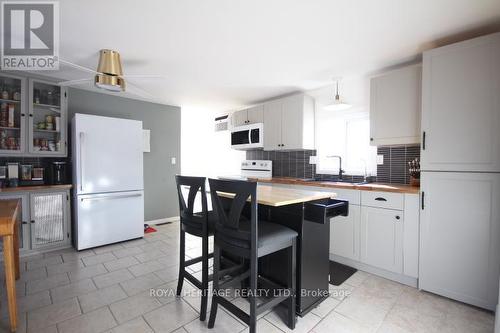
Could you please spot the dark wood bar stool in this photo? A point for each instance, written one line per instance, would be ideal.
(249, 238)
(199, 224)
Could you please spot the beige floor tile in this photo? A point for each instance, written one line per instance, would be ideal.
(34, 274)
(168, 274)
(29, 303)
(92, 322)
(337, 323)
(150, 255)
(340, 292)
(171, 316)
(357, 278)
(137, 325)
(142, 283)
(98, 259)
(107, 248)
(21, 324)
(166, 293)
(145, 268)
(87, 272)
(169, 261)
(121, 263)
(134, 306)
(325, 307)
(64, 267)
(71, 290)
(127, 252)
(263, 326)
(134, 242)
(101, 297)
(153, 246)
(224, 323)
(54, 281)
(277, 317)
(53, 314)
(115, 277)
(77, 255)
(37, 263)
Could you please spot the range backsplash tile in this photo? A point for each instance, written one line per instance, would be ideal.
(395, 167)
(296, 164)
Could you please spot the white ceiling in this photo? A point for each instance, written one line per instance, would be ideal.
(228, 53)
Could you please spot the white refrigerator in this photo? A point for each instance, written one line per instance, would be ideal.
(108, 180)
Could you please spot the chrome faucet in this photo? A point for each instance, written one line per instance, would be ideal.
(340, 164)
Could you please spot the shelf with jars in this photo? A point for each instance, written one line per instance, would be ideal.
(47, 135)
(32, 117)
(11, 114)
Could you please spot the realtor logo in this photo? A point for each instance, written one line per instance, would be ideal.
(30, 35)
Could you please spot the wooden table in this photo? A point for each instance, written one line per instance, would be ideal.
(9, 210)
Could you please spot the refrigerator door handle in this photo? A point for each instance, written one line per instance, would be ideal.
(81, 157)
(112, 197)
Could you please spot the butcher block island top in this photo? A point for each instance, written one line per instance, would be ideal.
(279, 196)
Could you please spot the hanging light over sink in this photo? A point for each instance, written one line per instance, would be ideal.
(338, 104)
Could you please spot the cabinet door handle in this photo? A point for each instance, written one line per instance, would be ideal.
(423, 140)
(32, 221)
(398, 217)
(423, 200)
(24, 222)
(380, 199)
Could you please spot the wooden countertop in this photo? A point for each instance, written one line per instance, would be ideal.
(280, 196)
(8, 214)
(35, 188)
(396, 188)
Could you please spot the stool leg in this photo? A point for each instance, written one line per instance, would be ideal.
(182, 260)
(254, 262)
(213, 310)
(204, 278)
(9, 261)
(292, 317)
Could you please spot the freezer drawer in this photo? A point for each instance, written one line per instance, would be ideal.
(109, 218)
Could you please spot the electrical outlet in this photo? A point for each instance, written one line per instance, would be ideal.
(380, 159)
(173, 160)
(313, 159)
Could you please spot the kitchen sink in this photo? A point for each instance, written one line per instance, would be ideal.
(343, 181)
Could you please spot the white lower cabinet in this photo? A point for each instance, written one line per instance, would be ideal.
(381, 237)
(344, 234)
(45, 220)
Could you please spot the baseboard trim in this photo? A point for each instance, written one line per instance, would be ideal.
(404, 279)
(163, 220)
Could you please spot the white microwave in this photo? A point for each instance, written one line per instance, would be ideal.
(246, 137)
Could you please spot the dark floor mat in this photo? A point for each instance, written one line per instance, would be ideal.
(339, 273)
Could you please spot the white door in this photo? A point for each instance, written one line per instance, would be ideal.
(239, 118)
(460, 236)
(272, 125)
(109, 218)
(395, 107)
(292, 122)
(460, 106)
(344, 234)
(108, 154)
(382, 238)
(255, 114)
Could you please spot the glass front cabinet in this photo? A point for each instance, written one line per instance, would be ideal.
(32, 117)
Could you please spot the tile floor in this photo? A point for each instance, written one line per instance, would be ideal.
(107, 289)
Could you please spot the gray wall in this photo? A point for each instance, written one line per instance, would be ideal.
(160, 198)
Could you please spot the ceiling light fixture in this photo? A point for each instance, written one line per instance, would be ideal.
(338, 104)
(110, 74)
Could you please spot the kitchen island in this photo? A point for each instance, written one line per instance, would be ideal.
(308, 213)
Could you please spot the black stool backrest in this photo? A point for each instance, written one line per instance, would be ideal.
(190, 219)
(229, 198)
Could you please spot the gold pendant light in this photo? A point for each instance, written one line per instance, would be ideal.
(110, 71)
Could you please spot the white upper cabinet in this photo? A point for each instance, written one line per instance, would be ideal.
(395, 107)
(289, 123)
(252, 115)
(461, 106)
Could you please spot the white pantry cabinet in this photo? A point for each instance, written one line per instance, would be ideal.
(251, 115)
(382, 238)
(460, 106)
(460, 236)
(395, 107)
(289, 123)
